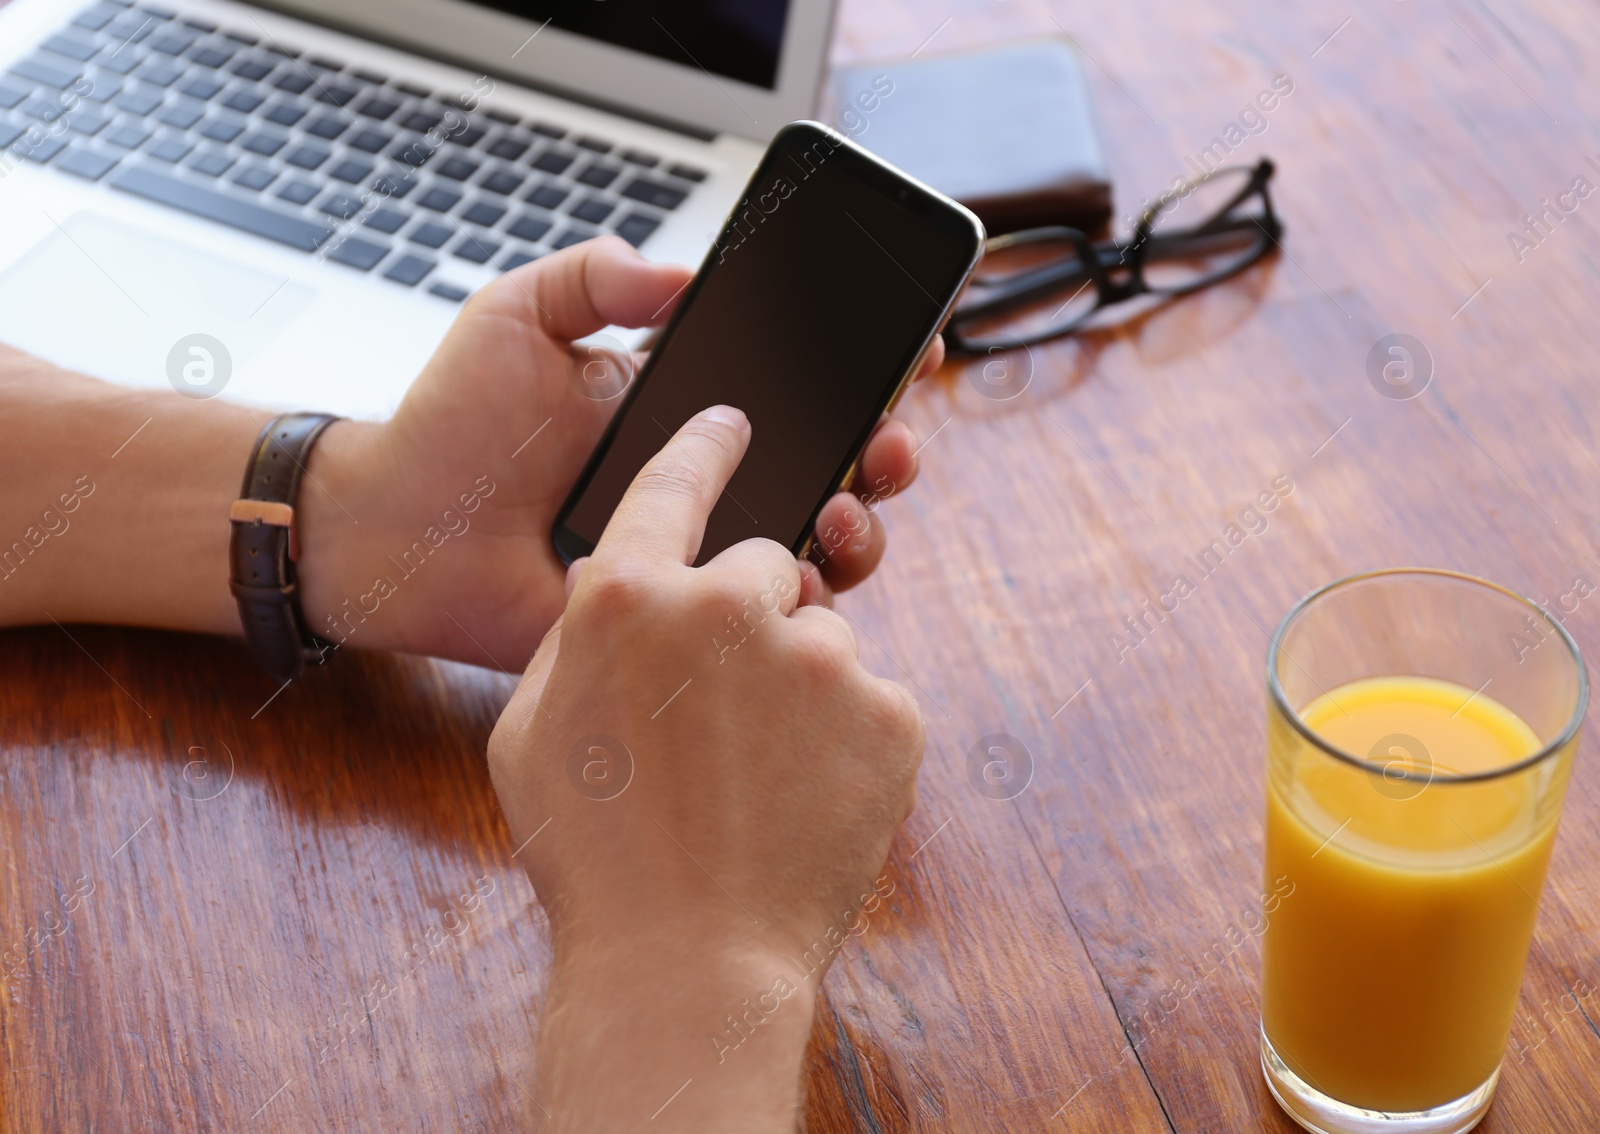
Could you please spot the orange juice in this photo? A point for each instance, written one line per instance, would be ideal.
(1390, 970)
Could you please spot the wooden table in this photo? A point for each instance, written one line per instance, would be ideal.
(256, 869)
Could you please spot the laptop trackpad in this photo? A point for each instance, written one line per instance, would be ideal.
(109, 299)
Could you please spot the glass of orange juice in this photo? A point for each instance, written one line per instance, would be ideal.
(1420, 732)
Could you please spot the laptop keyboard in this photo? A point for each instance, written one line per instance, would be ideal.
(378, 174)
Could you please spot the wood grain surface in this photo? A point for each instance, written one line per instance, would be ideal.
(217, 886)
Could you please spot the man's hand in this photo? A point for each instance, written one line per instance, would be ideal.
(489, 441)
(703, 783)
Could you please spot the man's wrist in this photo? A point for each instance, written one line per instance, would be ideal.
(625, 1027)
(338, 514)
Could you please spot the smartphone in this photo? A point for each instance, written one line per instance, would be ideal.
(810, 313)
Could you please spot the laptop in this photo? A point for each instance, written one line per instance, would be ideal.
(288, 205)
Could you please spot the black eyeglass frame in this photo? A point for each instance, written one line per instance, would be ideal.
(1095, 263)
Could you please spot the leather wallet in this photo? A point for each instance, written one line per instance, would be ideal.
(1008, 131)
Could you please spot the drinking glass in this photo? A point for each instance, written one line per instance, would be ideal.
(1420, 732)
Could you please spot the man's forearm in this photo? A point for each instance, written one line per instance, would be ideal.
(114, 501)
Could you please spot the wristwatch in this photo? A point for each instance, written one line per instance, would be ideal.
(266, 545)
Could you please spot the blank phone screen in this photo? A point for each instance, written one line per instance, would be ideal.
(817, 298)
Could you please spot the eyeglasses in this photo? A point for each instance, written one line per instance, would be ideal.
(1019, 301)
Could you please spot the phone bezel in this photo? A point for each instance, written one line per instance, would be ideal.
(872, 171)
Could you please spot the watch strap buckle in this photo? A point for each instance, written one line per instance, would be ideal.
(271, 512)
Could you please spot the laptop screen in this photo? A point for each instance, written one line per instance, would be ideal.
(735, 39)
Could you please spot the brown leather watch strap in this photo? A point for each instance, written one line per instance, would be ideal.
(265, 546)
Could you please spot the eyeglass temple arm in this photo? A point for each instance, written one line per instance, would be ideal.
(1260, 174)
(1040, 281)
(1190, 241)
(1025, 287)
